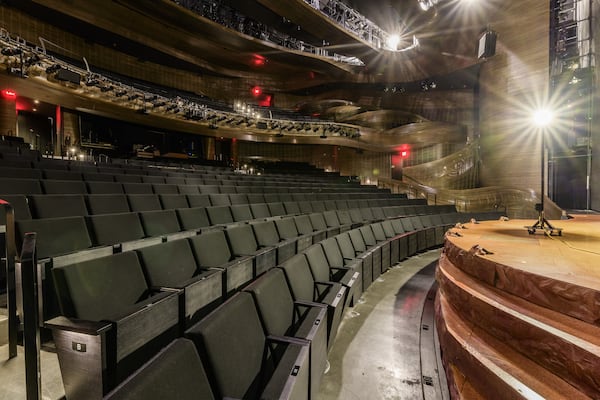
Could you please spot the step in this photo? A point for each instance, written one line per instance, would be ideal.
(567, 347)
(494, 369)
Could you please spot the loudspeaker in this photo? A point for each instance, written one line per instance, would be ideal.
(261, 125)
(69, 76)
(487, 44)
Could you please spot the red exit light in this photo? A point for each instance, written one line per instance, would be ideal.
(9, 94)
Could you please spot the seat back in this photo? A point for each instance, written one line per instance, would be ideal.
(242, 240)
(188, 189)
(331, 219)
(317, 221)
(318, 262)
(303, 224)
(238, 198)
(345, 245)
(137, 188)
(143, 202)
(97, 177)
(20, 207)
(367, 234)
(241, 212)
(198, 200)
(286, 228)
(276, 209)
(63, 187)
(235, 359)
(265, 233)
(159, 222)
(104, 187)
(211, 249)
(57, 205)
(299, 278)
(109, 229)
(102, 288)
(219, 199)
(333, 253)
(176, 372)
(107, 203)
(291, 207)
(55, 236)
(172, 201)
(219, 215)
(274, 302)
(192, 218)
(260, 210)
(358, 241)
(168, 264)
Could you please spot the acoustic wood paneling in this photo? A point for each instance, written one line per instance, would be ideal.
(8, 117)
(369, 165)
(513, 83)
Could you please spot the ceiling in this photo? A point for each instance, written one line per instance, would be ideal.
(166, 33)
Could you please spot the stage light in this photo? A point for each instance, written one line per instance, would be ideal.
(393, 41)
(256, 90)
(542, 117)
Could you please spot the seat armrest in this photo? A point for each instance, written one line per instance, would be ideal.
(78, 325)
(301, 303)
(287, 340)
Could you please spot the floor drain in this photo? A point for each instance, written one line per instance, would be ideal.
(428, 380)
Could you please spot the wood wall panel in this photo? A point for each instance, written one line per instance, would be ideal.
(349, 162)
(513, 83)
(8, 117)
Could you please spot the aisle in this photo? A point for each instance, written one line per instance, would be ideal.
(377, 353)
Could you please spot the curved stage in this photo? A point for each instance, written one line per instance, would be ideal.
(518, 315)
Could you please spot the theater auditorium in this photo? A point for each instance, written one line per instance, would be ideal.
(299, 199)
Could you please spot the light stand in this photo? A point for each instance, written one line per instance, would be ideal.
(542, 223)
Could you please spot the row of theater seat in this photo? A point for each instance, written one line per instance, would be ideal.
(78, 170)
(324, 278)
(168, 177)
(53, 186)
(64, 205)
(64, 235)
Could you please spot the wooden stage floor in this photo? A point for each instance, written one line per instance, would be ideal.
(520, 313)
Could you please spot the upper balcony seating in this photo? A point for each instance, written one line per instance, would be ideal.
(243, 362)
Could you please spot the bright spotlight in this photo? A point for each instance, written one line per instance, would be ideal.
(393, 41)
(542, 117)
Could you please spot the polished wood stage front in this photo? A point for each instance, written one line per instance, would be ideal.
(518, 314)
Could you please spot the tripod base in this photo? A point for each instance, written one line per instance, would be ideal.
(542, 224)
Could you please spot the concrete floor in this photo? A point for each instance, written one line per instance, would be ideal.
(377, 353)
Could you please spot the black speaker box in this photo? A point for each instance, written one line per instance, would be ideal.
(487, 44)
(68, 76)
